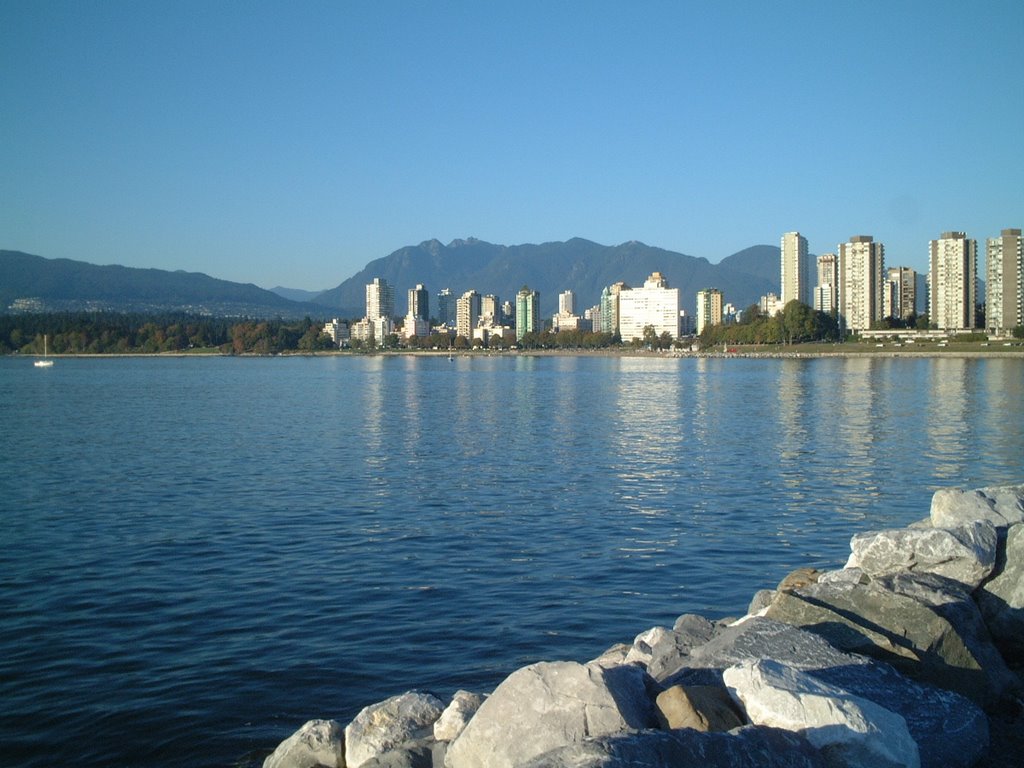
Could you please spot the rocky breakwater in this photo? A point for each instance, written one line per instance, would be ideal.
(910, 655)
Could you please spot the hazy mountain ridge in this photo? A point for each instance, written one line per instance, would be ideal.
(29, 282)
(579, 265)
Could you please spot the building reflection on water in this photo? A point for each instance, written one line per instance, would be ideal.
(947, 427)
(647, 441)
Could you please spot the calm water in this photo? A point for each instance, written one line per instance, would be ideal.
(198, 555)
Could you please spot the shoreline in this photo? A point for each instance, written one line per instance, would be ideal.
(1015, 352)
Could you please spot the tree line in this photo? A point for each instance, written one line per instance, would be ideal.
(115, 333)
(125, 333)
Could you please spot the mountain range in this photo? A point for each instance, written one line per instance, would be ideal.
(34, 283)
(579, 265)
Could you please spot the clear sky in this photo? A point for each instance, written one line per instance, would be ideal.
(289, 143)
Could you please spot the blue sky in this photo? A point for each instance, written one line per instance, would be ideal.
(291, 143)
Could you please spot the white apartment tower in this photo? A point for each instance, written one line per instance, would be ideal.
(952, 281)
(709, 308)
(826, 292)
(654, 304)
(1004, 273)
(467, 313)
(566, 303)
(861, 274)
(380, 299)
(795, 282)
(490, 308)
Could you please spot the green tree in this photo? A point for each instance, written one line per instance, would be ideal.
(797, 322)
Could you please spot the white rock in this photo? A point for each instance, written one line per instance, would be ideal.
(457, 714)
(966, 553)
(317, 743)
(850, 731)
(642, 650)
(848, 575)
(1002, 505)
(389, 724)
(548, 705)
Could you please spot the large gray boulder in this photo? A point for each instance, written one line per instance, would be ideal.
(547, 705)
(748, 747)
(317, 743)
(391, 723)
(954, 603)
(950, 730)
(966, 553)
(1001, 599)
(942, 642)
(1002, 505)
(849, 730)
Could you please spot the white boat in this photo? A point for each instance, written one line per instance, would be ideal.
(45, 362)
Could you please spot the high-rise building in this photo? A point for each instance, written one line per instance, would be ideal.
(826, 292)
(610, 307)
(446, 307)
(380, 299)
(566, 303)
(527, 312)
(655, 305)
(1004, 275)
(952, 281)
(467, 311)
(795, 282)
(490, 310)
(861, 274)
(709, 308)
(566, 318)
(900, 293)
(419, 302)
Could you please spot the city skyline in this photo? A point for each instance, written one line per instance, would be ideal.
(292, 146)
(856, 283)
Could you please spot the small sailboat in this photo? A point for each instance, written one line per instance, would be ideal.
(45, 362)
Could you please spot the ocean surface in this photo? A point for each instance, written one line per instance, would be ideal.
(197, 555)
